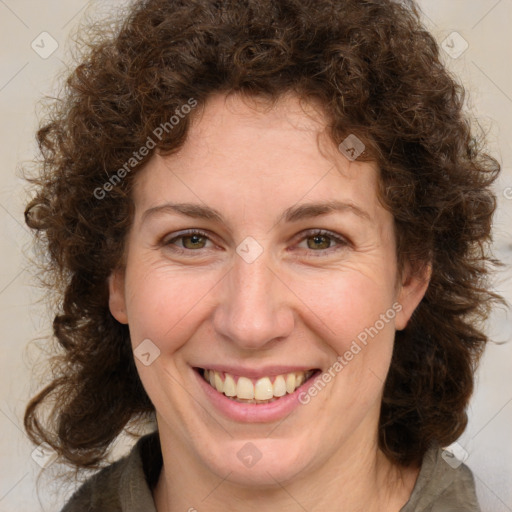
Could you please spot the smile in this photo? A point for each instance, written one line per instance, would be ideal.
(255, 391)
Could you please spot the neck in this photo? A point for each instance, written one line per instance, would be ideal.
(357, 478)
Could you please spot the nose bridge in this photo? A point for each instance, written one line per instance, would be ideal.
(253, 311)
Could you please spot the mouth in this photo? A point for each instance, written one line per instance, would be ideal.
(264, 390)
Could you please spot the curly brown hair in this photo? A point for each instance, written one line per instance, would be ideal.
(378, 74)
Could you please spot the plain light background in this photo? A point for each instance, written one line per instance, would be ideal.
(29, 31)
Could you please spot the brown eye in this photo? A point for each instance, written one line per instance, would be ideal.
(319, 242)
(323, 242)
(191, 241)
(196, 241)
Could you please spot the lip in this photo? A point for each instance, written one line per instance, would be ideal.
(253, 413)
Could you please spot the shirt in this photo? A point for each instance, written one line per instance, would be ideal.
(125, 485)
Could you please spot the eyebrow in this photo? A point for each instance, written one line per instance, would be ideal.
(292, 214)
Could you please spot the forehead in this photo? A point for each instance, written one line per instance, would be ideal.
(288, 112)
(260, 154)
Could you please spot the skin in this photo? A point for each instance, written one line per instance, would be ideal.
(301, 302)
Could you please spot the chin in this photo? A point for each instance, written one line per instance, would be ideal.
(264, 463)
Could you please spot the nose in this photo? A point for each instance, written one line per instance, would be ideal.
(254, 310)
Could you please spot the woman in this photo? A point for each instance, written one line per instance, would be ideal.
(268, 223)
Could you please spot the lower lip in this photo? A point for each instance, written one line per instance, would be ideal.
(254, 413)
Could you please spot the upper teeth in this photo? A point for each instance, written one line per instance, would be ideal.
(262, 389)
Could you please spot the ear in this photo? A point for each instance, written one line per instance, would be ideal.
(412, 289)
(116, 299)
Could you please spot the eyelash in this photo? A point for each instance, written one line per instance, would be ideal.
(342, 242)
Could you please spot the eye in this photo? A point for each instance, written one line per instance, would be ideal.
(191, 240)
(319, 241)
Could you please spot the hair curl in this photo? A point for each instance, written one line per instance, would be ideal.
(378, 74)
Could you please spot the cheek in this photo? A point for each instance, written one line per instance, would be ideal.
(163, 305)
(354, 317)
(344, 304)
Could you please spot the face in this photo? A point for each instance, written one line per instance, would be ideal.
(251, 283)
